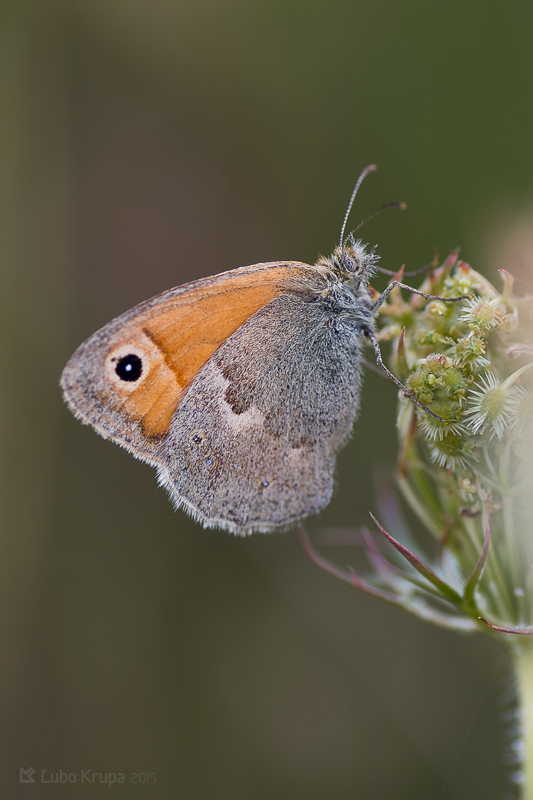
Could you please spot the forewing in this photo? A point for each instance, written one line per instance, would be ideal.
(174, 335)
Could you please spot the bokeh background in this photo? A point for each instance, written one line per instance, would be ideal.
(145, 144)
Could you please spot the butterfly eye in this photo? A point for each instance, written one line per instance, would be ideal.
(129, 368)
(352, 264)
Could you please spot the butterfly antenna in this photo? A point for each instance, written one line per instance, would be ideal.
(362, 176)
(394, 204)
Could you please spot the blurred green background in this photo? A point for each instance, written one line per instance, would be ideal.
(144, 144)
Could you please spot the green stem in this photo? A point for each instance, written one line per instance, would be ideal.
(523, 657)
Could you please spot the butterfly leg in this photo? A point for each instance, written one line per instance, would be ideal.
(371, 336)
(385, 293)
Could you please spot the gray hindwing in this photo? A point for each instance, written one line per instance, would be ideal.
(282, 395)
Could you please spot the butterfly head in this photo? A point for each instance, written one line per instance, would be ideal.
(352, 262)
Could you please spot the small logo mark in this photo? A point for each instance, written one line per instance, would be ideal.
(26, 775)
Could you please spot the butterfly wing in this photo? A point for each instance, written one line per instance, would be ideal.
(239, 388)
(169, 338)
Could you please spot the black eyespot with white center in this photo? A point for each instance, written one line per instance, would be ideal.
(129, 368)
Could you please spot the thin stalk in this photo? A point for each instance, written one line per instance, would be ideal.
(523, 658)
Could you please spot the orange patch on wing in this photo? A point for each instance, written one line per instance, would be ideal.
(154, 399)
(189, 338)
(182, 332)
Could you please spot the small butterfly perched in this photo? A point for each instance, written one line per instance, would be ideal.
(240, 388)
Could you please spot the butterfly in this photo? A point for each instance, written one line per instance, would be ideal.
(241, 388)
